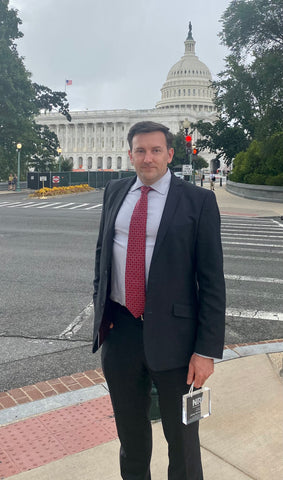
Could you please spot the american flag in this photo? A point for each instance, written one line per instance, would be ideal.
(69, 82)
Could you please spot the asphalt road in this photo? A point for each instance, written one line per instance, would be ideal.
(47, 257)
(47, 262)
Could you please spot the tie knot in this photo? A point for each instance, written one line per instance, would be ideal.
(145, 189)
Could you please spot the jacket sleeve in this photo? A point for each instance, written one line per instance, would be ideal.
(211, 283)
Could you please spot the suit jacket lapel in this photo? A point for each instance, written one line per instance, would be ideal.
(118, 198)
(116, 202)
(171, 204)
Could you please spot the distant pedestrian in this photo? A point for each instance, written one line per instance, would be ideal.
(212, 181)
(10, 182)
(14, 182)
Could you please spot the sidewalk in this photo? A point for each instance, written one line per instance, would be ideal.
(72, 435)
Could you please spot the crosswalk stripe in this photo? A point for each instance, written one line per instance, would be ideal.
(239, 235)
(253, 244)
(244, 249)
(13, 205)
(269, 228)
(59, 205)
(47, 204)
(79, 206)
(31, 204)
(248, 257)
(64, 205)
(253, 225)
(246, 278)
(94, 206)
(254, 314)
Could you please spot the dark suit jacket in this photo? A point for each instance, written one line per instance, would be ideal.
(185, 299)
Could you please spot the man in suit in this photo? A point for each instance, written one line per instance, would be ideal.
(163, 320)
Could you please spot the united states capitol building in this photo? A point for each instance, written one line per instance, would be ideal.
(97, 140)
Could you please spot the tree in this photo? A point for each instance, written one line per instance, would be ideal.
(249, 92)
(199, 162)
(179, 145)
(253, 26)
(20, 103)
(221, 138)
(66, 165)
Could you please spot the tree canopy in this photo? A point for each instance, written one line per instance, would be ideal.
(249, 92)
(21, 101)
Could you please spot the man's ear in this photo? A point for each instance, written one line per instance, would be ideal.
(131, 156)
(170, 155)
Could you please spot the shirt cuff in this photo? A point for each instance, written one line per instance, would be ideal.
(204, 356)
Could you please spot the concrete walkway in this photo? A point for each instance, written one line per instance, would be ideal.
(241, 440)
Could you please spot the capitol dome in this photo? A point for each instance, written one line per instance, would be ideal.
(188, 83)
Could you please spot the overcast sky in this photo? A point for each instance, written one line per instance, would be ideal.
(116, 52)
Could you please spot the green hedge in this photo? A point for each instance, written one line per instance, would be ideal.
(261, 164)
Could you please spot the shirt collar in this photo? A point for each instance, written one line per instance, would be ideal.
(161, 186)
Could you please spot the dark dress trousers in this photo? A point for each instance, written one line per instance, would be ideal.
(184, 313)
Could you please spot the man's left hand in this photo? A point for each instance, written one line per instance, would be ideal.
(200, 368)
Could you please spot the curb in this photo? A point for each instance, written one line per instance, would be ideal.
(24, 407)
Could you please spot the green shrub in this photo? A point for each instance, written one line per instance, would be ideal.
(255, 179)
(261, 163)
(276, 181)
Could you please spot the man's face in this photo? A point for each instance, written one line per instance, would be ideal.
(150, 156)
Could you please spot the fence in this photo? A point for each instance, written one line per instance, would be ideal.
(37, 180)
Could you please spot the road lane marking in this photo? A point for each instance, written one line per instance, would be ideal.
(31, 204)
(278, 223)
(247, 257)
(14, 204)
(79, 206)
(256, 225)
(253, 244)
(257, 250)
(64, 205)
(246, 278)
(94, 206)
(254, 229)
(239, 235)
(254, 314)
(78, 322)
(48, 204)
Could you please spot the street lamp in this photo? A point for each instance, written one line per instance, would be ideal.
(59, 150)
(19, 146)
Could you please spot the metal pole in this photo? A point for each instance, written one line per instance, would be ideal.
(19, 170)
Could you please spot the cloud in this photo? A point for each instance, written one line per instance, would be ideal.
(118, 54)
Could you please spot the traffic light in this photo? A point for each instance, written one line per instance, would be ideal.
(195, 150)
(188, 139)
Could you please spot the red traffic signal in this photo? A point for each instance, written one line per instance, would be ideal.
(195, 151)
(188, 139)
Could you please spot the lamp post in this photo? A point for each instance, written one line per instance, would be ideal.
(19, 146)
(186, 125)
(59, 150)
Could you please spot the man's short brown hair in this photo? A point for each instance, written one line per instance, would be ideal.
(148, 127)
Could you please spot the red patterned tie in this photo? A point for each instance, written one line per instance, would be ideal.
(135, 263)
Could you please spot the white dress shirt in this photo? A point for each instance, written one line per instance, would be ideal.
(156, 202)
